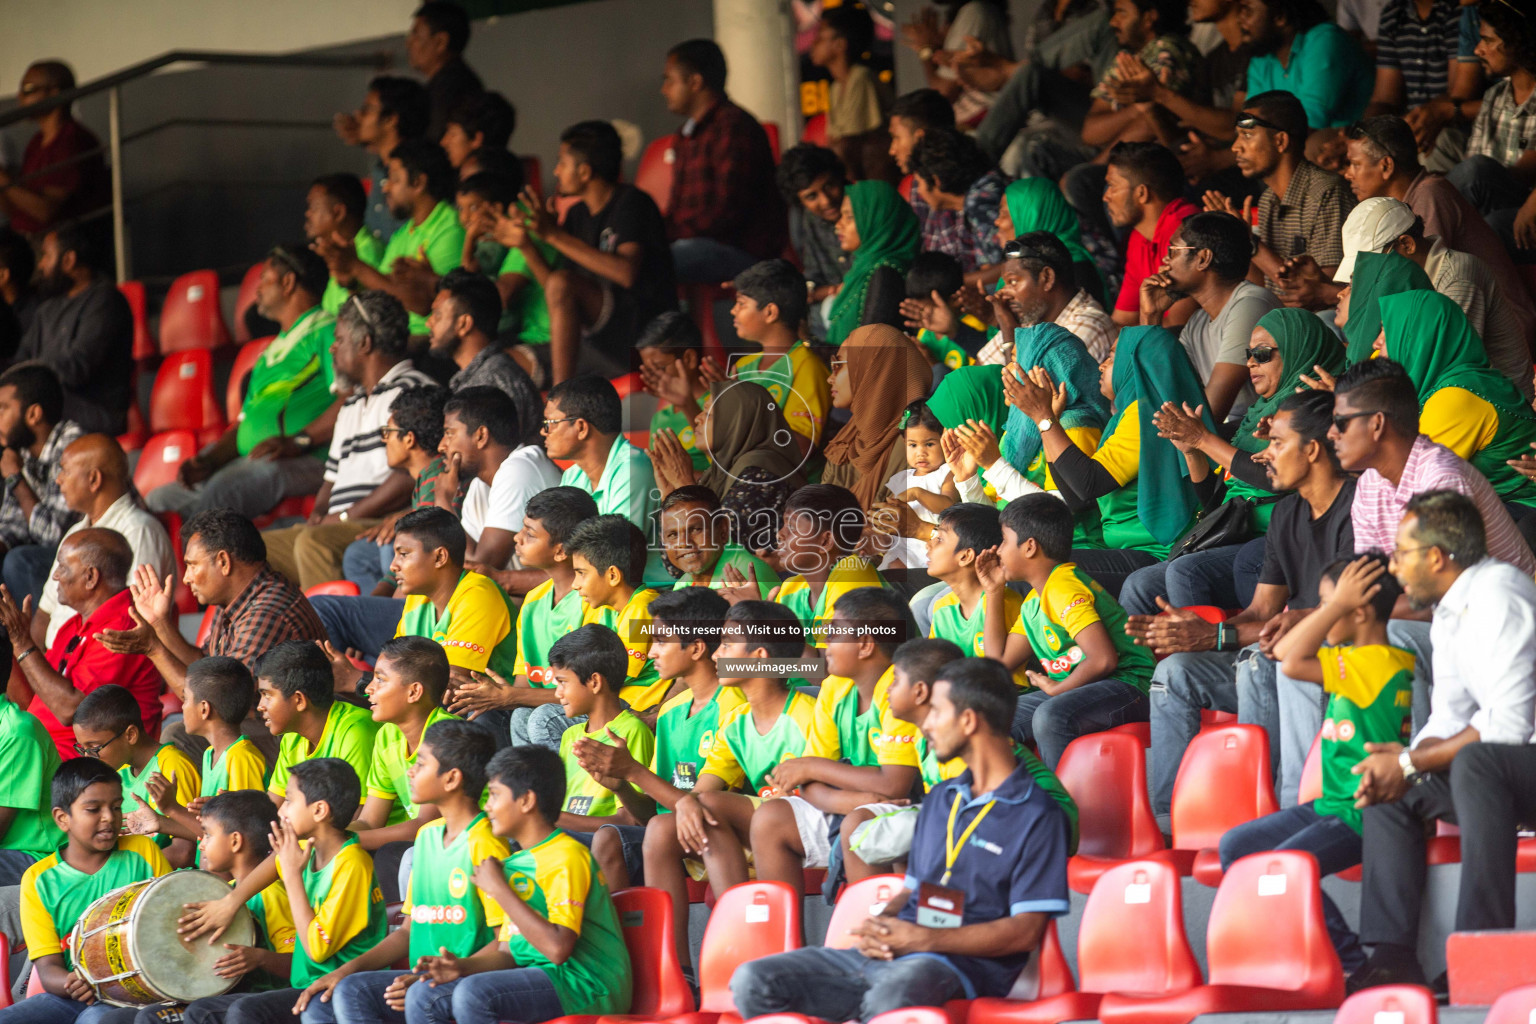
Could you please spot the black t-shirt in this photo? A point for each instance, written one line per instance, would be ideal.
(1221, 74)
(1298, 548)
(632, 216)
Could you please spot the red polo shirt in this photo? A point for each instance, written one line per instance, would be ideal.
(1143, 255)
(81, 659)
(84, 180)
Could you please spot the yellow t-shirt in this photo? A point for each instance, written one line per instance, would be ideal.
(1086, 439)
(1120, 453)
(643, 687)
(801, 387)
(876, 737)
(949, 622)
(1458, 419)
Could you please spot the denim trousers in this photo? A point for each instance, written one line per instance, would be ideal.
(47, 1008)
(252, 487)
(1053, 722)
(358, 999)
(523, 995)
(1183, 685)
(25, 570)
(366, 563)
(1223, 577)
(1111, 567)
(364, 623)
(706, 261)
(840, 984)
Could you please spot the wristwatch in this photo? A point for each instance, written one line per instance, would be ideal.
(343, 516)
(1043, 425)
(1405, 762)
(304, 442)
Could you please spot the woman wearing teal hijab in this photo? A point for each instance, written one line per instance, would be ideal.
(1062, 355)
(879, 228)
(1376, 276)
(1036, 204)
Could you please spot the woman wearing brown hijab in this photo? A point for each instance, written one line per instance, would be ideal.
(876, 374)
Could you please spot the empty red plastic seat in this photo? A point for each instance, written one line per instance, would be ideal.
(182, 398)
(245, 360)
(658, 986)
(1267, 948)
(815, 130)
(1482, 965)
(772, 131)
(1131, 939)
(1399, 1004)
(245, 299)
(654, 175)
(953, 1012)
(143, 342)
(138, 430)
(186, 604)
(1106, 775)
(857, 902)
(191, 317)
(162, 456)
(1224, 780)
(335, 588)
(1513, 1007)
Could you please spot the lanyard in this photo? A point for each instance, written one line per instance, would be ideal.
(951, 847)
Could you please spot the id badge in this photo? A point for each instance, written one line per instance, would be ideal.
(938, 907)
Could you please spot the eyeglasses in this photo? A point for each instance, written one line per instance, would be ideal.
(95, 749)
(391, 432)
(563, 419)
(1248, 122)
(1341, 421)
(1173, 247)
(1400, 552)
(1262, 355)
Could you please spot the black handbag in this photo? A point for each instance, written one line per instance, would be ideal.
(1223, 526)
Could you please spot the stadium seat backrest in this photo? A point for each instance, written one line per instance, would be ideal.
(772, 131)
(1517, 1006)
(861, 900)
(654, 175)
(1223, 781)
(335, 588)
(912, 1015)
(5, 972)
(815, 130)
(1390, 1004)
(143, 342)
(1312, 773)
(533, 173)
(1266, 927)
(1131, 938)
(659, 988)
(35, 984)
(245, 300)
(186, 604)
(750, 920)
(1106, 774)
(245, 360)
(205, 628)
(162, 456)
(182, 398)
(191, 317)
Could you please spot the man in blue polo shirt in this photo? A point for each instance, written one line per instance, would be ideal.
(987, 872)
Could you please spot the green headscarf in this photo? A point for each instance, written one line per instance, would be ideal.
(970, 393)
(1066, 359)
(1376, 275)
(1151, 368)
(1304, 341)
(1036, 204)
(889, 236)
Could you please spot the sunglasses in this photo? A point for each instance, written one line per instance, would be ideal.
(1261, 355)
(1248, 122)
(1341, 421)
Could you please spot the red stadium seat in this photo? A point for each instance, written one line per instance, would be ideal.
(1131, 939)
(245, 300)
(1106, 774)
(186, 604)
(905, 188)
(772, 131)
(1513, 1007)
(336, 588)
(182, 398)
(234, 393)
(533, 173)
(138, 430)
(5, 972)
(205, 628)
(170, 704)
(143, 342)
(1267, 948)
(1400, 1004)
(191, 317)
(701, 299)
(815, 130)
(954, 1013)
(1141, 730)
(1481, 966)
(35, 984)
(1223, 781)
(856, 903)
(750, 920)
(659, 987)
(162, 456)
(654, 175)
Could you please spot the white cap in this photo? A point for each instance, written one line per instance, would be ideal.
(1372, 226)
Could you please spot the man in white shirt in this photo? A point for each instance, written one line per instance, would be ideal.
(95, 482)
(1473, 762)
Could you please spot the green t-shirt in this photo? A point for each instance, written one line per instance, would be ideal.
(667, 417)
(274, 930)
(28, 759)
(440, 236)
(943, 350)
(735, 555)
(561, 882)
(241, 767)
(475, 629)
(540, 622)
(370, 251)
(55, 895)
(290, 384)
(1073, 601)
(348, 734)
(533, 321)
(626, 487)
(742, 757)
(349, 912)
(684, 738)
(1370, 697)
(583, 794)
(175, 766)
(445, 908)
(387, 774)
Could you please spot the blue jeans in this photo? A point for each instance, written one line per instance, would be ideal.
(1223, 577)
(26, 569)
(364, 623)
(706, 261)
(1335, 845)
(1182, 685)
(840, 984)
(523, 995)
(366, 563)
(1111, 567)
(541, 726)
(47, 1008)
(14, 864)
(1053, 722)
(357, 999)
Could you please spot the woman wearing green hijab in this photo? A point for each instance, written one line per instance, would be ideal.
(1464, 403)
(879, 228)
(1036, 204)
(970, 393)
(1140, 482)
(1376, 275)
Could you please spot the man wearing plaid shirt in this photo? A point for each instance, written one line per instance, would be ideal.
(33, 513)
(725, 212)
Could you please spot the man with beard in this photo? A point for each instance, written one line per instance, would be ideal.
(1039, 286)
(394, 109)
(463, 329)
(371, 365)
(1208, 261)
(1298, 49)
(82, 331)
(62, 175)
(1144, 194)
(33, 512)
(273, 450)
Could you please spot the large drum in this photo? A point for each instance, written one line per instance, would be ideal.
(127, 948)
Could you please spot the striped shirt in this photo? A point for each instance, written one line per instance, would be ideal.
(1084, 317)
(357, 463)
(1379, 506)
(1309, 219)
(1421, 50)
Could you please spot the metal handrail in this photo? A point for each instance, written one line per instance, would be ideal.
(112, 86)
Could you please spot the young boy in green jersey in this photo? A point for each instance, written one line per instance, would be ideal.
(444, 913)
(932, 282)
(28, 760)
(562, 949)
(297, 701)
(406, 695)
(696, 538)
(1095, 677)
(958, 615)
(671, 351)
(608, 556)
(109, 725)
(236, 838)
(859, 752)
(1343, 645)
(687, 631)
(87, 800)
(770, 306)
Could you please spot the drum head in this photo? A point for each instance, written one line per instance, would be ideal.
(181, 969)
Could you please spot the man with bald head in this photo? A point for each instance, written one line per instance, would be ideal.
(92, 575)
(95, 482)
(62, 174)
